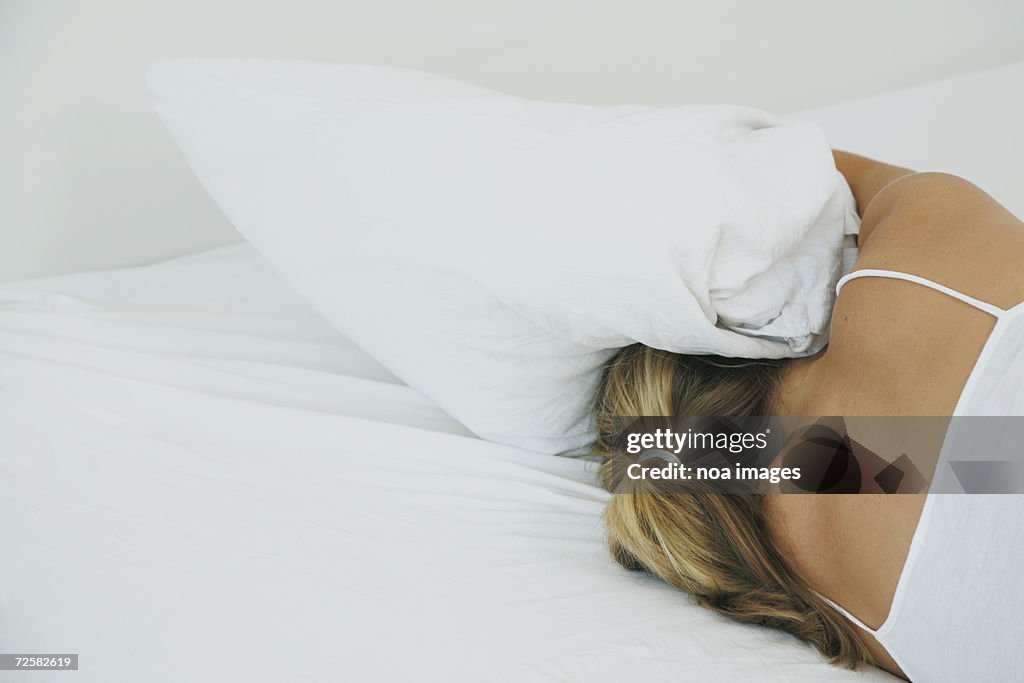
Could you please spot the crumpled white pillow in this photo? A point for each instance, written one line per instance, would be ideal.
(494, 251)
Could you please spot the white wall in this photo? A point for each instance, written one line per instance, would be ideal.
(89, 179)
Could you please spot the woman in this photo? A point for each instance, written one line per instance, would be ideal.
(939, 265)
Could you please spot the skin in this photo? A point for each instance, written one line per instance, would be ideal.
(896, 348)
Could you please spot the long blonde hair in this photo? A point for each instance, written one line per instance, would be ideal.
(717, 547)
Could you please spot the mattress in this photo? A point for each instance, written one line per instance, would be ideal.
(201, 480)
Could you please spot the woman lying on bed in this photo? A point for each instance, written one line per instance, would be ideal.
(939, 265)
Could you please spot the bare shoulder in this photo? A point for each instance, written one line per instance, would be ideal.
(901, 348)
(947, 229)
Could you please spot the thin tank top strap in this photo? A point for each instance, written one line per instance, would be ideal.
(849, 616)
(896, 275)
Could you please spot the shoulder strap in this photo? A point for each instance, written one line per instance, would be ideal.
(849, 616)
(896, 275)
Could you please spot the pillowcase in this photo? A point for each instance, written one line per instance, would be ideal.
(494, 251)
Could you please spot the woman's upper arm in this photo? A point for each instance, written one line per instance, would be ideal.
(866, 178)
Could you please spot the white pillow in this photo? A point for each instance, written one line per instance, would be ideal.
(493, 251)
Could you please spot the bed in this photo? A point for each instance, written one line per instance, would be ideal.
(201, 480)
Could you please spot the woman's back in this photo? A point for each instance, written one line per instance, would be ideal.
(903, 348)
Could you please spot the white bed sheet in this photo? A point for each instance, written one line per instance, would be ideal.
(200, 480)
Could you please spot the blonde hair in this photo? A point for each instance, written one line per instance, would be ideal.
(717, 547)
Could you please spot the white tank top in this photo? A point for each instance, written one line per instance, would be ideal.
(958, 611)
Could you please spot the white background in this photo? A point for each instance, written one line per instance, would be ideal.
(88, 177)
